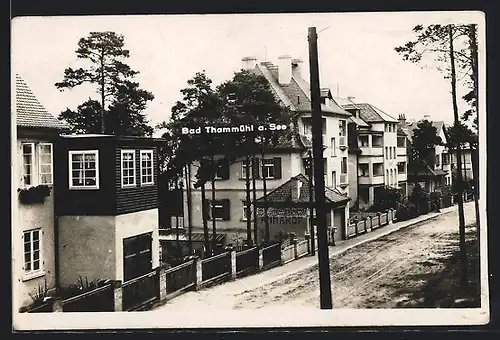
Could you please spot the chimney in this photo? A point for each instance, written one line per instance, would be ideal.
(402, 119)
(297, 68)
(248, 63)
(296, 186)
(284, 70)
(426, 117)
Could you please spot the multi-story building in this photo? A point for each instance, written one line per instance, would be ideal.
(381, 160)
(33, 222)
(284, 161)
(87, 205)
(438, 172)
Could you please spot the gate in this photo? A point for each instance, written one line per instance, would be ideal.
(137, 256)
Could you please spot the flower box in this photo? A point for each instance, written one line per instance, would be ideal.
(34, 195)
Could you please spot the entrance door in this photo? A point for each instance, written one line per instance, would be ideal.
(137, 256)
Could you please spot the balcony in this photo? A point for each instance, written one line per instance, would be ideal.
(366, 180)
(401, 151)
(372, 151)
(342, 143)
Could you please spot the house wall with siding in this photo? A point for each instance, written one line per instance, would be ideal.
(32, 216)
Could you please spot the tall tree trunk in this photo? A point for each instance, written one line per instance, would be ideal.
(475, 152)
(189, 207)
(204, 216)
(214, 223)
(177, 222)
(103, 97)
(254, 197)
(248, 213)
(461, 216)
(264, 188)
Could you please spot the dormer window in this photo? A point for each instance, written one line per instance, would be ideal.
(84, 169)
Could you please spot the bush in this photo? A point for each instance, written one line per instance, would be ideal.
(387, 198)
(435, 198)
(420, 198)
(406, 211)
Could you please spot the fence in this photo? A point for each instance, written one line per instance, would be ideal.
(216, 267)
(377, 221)
(288, 254)
(101, 299)
(45, 307)
(302, 248)
(181, 277)
(247, 261)
(271, 255)
(141, 291)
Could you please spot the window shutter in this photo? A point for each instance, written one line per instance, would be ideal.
(225, 208)
(224, 164)
(277, 168)
(256, 169)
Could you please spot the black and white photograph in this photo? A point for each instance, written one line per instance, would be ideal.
(249, 170)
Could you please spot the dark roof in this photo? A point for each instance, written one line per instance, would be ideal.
(283, 193)
(370, 113)
(30, 112)
(410, 126)
(104, 136)
(296, 95)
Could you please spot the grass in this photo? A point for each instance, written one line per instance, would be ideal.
(442, 289)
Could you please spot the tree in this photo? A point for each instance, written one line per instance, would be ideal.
(454, 46)
(423, 143)
(121, 101)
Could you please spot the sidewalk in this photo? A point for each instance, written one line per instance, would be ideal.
(266, 277)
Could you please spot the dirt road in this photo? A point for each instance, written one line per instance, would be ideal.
(379, 274)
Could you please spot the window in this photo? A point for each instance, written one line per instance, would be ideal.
(334, 179)
(343, 165)
(394, 152)
(446, 158)
(84, 169)
(437, 160)
(28, 160)
(244, 169)
(245, 210)
(386, 152)
(401, 142)
(307, 124)
(128, 168)
(363, 141)
(364, 170)
(402, 167)
(378, 169)
(377, 141)
(333, 146)
(32, 251)
(342, 132)
(45, 162)
(268, 168)
(222, 169)
(363, 194)
(387, 178)
(218, 209)
(146, 167)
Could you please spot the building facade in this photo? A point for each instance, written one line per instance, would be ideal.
(33, 223)
(285, 160)
(382, 157)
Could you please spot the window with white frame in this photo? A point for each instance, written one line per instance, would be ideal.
(217, 210)
(244, 169)
(37, 164)
(146, 167)
(333, 147)
(268, 168)
(128, 168)
(84, 169)
(45, 163)
(28, 163)
(245, 210)
(32, 251)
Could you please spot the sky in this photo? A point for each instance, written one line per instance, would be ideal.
(356, 55)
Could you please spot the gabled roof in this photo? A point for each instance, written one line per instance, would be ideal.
(283, 193)
(296, 95)
(410, 126)
(370, 113)
(30, 112)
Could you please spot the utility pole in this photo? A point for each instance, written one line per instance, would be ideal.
(309, 170)
(189, 205)
(460, 183)
(319, 180)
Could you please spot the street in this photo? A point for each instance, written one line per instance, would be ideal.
(383, 273)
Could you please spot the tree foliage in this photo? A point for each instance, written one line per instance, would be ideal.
(423, 143)
(119, 109)
(431, 47)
